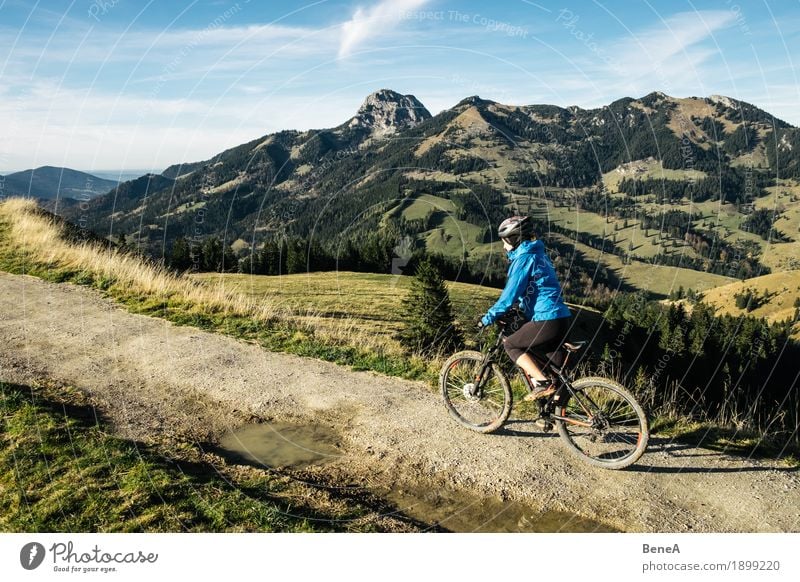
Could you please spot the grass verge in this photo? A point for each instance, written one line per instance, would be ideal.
(61, 470)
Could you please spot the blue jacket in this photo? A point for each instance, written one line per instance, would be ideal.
(532, 283)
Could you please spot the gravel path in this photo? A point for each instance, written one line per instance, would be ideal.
(153, 379)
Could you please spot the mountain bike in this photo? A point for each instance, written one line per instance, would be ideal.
(597, 418)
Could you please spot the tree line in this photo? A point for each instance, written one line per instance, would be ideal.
(729, 184)
(700, 364)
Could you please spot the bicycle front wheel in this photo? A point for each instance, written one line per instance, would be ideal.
(603, 424)
(482, 408)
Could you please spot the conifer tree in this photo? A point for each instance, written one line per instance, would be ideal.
(180, 258)
(427, 313)
(212, 255)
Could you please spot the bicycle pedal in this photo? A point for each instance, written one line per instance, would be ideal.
(544, 423)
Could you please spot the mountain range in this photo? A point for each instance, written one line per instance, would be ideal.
(444, 181)
(51, 183)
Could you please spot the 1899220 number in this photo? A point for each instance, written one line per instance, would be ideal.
(757, 565)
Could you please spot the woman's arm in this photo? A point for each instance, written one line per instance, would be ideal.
(515, 288)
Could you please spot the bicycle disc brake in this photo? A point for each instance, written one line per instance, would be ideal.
(471, 392)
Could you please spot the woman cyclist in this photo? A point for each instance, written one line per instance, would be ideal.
(533, 286)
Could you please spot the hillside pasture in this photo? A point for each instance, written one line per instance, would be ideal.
(364, 302)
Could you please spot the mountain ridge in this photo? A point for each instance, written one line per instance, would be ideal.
(51, 182)
(361, 183)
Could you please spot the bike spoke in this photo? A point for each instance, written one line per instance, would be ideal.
(475, 406)
(622, 438)
(628, 420)
(602, 424)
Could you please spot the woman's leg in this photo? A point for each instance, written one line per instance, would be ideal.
(525, 361)
(545, 335)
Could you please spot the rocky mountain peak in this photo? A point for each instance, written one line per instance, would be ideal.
(386, 112)
(472, 101)
(726, 101)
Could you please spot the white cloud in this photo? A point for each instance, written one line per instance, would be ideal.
(668, 55)
(84, 129)
(370, 22)
(158, 48)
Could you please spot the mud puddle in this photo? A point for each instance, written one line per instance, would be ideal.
(280, 444)
(463, 512)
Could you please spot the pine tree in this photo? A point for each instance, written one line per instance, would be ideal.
(427, 313)
(230, 263)
(297, 257)
(179, 258)
(212, 255)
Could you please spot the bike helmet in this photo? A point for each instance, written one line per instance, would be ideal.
(515, 230)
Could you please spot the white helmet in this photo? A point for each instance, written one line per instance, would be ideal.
(515, 229)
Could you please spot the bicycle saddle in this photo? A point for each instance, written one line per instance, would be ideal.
(574, 346)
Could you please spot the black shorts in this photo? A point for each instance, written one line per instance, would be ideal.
(544, 336)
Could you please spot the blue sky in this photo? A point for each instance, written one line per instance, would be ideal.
(106, 84)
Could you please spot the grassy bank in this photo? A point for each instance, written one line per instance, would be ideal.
(369, 303)
(33, 243)
(61, 470)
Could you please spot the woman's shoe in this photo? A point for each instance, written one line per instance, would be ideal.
(540, 391)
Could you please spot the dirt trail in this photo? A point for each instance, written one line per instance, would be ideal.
(153, 378)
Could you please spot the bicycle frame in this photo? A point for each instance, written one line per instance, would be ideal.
(596, 417)
(565, 382)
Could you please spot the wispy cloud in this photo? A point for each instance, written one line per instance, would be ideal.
(672, 49)
(158, 46)
(369, 22)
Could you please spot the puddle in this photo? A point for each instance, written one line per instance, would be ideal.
(280, 444)
(461, 512)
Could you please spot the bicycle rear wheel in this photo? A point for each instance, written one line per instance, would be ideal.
(603, 424)
(482, 409)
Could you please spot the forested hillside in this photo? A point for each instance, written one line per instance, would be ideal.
(695, 183)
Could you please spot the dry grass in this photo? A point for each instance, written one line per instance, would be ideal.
(44, 241)
(779, 292)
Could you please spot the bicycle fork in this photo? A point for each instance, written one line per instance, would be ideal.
(478, 380)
